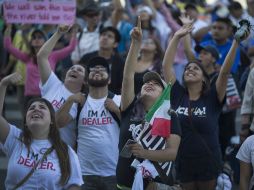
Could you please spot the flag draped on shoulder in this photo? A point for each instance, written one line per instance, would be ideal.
(158, 116)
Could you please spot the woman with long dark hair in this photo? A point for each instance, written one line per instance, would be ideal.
(38, 158)
(198, 106)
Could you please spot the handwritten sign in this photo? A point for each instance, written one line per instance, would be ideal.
(40, 11)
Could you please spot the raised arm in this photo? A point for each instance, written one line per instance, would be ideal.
(4, 126)
(10, 47)
(187, 39)
(188, 48)
(221, 82)
(128, 94)
(64, 52)
(169, 56)
(117, 12)
(46, 49)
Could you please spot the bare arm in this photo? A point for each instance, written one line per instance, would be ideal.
(201, 33)
(117, 12)
(43, 54)
(188, 48)
(169, 56)
(128, 94)
(4, 126)
(62, 115)
(221, 82)
(245, 175)
(167, 154)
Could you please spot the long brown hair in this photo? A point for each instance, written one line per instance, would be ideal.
(54, 137)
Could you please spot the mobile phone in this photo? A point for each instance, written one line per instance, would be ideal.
(125, 152)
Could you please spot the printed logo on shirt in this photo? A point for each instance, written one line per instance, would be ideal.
(199, 112)
(97, 118)
(57, 104)
(31, 160)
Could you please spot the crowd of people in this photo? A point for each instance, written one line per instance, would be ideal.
(136, 95)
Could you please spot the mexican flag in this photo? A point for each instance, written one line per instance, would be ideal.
(158, 116)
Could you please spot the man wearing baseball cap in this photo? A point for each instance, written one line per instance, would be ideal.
(98, 128)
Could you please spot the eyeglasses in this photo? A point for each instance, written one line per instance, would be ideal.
(100, 69)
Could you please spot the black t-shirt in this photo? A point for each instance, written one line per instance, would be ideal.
(129, 129)
(116, 64)
(204, 118)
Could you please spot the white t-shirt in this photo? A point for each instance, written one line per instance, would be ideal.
(198, 24)
(161, 24)
(89, 42)
(47, 174)
(56, 93)
(246, 154)
(98, 136)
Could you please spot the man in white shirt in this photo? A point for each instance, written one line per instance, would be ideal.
(98, 128)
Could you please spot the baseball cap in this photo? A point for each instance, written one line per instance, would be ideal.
(210, 49)
(97, 61)
(151, 75)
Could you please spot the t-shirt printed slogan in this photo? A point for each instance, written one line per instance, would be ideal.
(199, 112)
(29, 160)
(97, 118)
(57, 104)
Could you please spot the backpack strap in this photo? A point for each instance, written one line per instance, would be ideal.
(111, 96)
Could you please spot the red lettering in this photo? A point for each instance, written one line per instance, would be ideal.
(40, 8)
(27, 162)
(25, 6)
(104, 120)
(51, 166)
(44, 16)
(109, 120)
(56, 104)
(54, 7)
(21, 160)
(97, 121)
(31, 17)
(43, 165)
(70, 9)
(68, 17)
(9, 6)
(55, 17)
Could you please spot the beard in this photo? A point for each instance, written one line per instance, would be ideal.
(98, 83)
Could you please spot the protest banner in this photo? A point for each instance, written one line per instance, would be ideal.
(40, 11)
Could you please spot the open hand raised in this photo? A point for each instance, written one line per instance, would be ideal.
(62, 29)
(184, 30)
(11, 79)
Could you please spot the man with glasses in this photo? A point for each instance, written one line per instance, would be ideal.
(98, 128)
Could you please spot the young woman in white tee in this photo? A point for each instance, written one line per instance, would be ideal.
(38, 158)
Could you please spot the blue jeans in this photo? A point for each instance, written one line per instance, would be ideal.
(93, 182)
